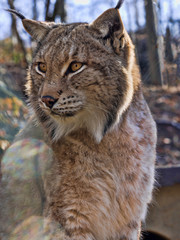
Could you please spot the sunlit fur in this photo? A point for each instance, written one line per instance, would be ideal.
(104, 95)
(100, 128)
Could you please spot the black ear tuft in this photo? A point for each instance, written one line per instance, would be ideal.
(36, 29)
(16, 13)
(119, 4)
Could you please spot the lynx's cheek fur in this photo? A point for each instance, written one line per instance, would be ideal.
(86, 93)
(104, 82)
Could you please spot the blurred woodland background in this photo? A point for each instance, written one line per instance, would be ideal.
(154, 26)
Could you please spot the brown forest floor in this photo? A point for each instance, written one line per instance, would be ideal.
(165, 107)
(164, 104)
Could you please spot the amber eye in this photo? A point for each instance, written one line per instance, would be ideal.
(75, 66)
(42, 67)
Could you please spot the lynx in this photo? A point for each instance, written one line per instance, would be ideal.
(85, 90)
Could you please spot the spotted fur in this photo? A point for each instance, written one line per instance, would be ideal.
(100, 128)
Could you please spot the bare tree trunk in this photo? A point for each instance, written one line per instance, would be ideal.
(155, 45)
(178, 66)
(168, 51)
(59, 10)
(35, 9)
(136, 14)
(47, 10)
(15, 33)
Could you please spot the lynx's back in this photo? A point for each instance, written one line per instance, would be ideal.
(84, 87)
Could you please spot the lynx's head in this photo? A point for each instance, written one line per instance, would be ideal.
(81, 74)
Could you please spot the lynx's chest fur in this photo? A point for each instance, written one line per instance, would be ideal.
(84, 86)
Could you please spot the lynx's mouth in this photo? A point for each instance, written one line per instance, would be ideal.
(63, 108)
(68, 110)
(65, 112)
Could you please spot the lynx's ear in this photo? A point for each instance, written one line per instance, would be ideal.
(36, 29)
(109, 25)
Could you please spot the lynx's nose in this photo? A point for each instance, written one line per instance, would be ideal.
(49, 101)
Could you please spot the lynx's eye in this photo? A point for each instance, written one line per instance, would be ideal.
(74, 66)
(42, 67)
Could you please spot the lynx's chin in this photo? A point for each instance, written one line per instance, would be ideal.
(63, 126)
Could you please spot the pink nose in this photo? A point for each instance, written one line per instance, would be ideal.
(49, 101)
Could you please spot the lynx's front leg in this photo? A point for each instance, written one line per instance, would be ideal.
(75, 232)
(132, 232)
(60, 233)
